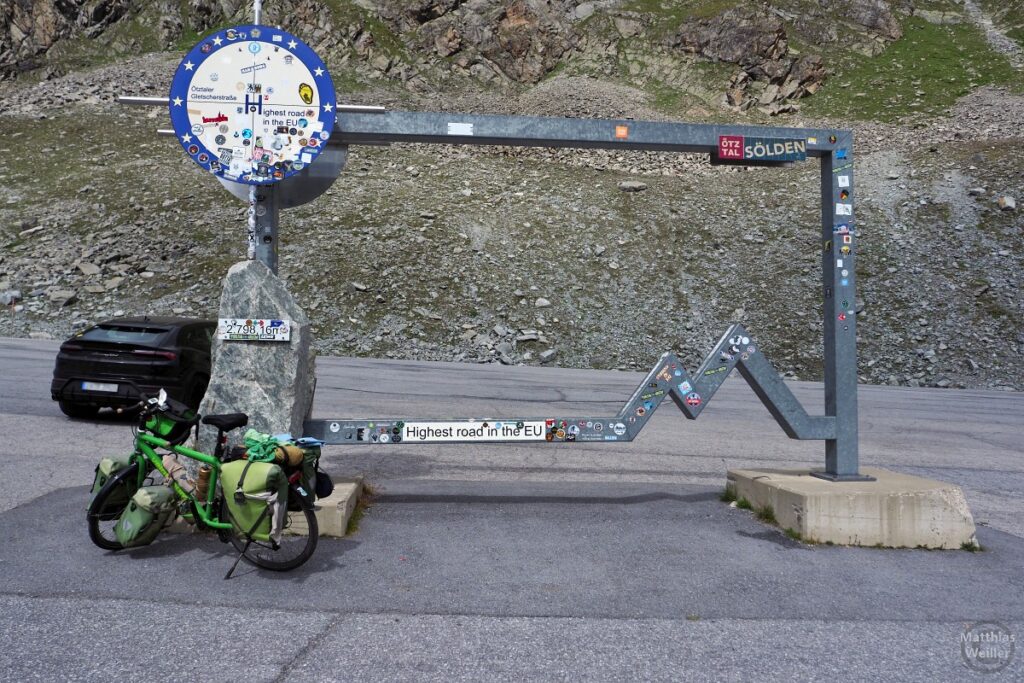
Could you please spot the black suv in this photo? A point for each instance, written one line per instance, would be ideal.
(110, 364)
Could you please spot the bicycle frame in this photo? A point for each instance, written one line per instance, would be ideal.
(145, 444)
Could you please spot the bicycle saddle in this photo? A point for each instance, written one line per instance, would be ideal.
(226, 422)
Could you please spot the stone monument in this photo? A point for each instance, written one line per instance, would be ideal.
(272, 382)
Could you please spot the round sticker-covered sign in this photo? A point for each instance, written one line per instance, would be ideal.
(252, 104)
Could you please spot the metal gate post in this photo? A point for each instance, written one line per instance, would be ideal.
(840, 298)
(268, 210)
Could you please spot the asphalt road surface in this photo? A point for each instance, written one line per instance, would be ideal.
(512, 562)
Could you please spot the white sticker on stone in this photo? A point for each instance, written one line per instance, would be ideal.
(254, 329)
(844, 181)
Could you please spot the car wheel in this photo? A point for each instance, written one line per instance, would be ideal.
(77, 409)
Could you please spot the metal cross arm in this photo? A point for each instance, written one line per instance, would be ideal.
(794, 144)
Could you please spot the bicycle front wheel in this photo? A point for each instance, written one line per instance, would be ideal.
(301, 534)
(102, 515)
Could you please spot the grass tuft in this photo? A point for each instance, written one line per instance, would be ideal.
(363, 506)
(971, 546)
(744, 504)
(728, 495)
(766, 514)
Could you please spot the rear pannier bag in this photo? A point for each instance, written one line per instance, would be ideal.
(105, 471)
(311, 482)
(147, 513)
(308, 468)
(257, 498)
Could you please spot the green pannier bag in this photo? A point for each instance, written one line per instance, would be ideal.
(257, 498)
(307, 480)
(147, 513)
(107, 468)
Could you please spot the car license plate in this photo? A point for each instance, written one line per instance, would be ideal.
(99, 386)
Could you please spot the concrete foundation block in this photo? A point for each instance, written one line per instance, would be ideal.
(333, 512)
(896, 510)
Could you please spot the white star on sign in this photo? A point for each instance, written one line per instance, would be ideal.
(328, 107)
(318, 72)
(189, 66)
(186, 138)
(217, 41)
(177, 101)
(292, 44)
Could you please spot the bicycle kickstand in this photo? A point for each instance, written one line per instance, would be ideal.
(239, 559)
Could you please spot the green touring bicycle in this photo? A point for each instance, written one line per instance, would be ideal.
(265, 511)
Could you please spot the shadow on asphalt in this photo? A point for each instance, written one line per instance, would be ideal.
(772, 536)
(545, 500)
(203, 548)
(519, 548)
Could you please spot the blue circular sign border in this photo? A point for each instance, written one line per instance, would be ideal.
(205, 49)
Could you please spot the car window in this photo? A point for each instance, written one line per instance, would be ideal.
(193, 338)
(124, 334)
(197, 337)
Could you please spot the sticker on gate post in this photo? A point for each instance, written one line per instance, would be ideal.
(252, 104)
(740, 148)
(498, 430)
(254, 329)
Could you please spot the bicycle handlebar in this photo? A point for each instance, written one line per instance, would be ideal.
(124, 409)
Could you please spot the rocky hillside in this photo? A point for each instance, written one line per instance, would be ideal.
(546, 257)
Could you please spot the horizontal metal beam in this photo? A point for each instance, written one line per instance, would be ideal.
(137, 101)
(539, 131)
(361, 109)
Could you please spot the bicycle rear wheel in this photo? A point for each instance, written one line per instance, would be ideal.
(102, 515)
(301, 534)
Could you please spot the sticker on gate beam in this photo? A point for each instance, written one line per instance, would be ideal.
(425, 432)
(254, 329)
(740, 148)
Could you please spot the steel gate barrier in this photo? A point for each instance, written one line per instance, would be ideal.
(318, 161)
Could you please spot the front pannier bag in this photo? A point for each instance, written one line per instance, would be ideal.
(105, 470)
(147, 513)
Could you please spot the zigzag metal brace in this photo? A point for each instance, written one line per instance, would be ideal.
(668, 378)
